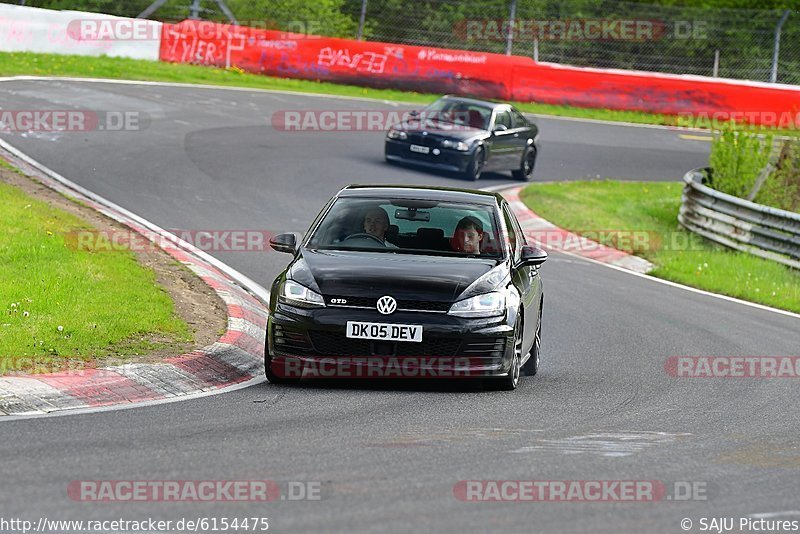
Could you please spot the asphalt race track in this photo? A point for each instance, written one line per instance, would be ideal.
(388, 455)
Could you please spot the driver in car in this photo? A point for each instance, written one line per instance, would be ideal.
(376, 223)
(467, 236)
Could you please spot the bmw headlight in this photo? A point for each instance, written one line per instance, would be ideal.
(295, 294)
(461, 146)
(396, 134)
(486, 305)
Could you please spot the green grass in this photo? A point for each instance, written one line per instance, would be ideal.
(25, 63)
(33, 64)
(59, 305)
(651, 210)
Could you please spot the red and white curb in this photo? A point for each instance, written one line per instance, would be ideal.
(567, 242)
(236, 357)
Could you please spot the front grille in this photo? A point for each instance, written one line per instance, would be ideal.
(337, 344)
(423, 305)
(484, 347)
(290, 340)
(362, 302)
(414, 305)
(424, 140)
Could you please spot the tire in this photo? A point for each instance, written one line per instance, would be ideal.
(274, 378)
(531, 367)
(475, 166)
(511, 381)
(525, 171)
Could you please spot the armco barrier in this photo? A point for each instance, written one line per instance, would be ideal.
(767, 232)
(475, 73)
(30, 29)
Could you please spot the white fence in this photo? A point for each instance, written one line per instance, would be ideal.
(30, 29)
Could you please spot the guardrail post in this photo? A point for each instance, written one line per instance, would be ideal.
(362, 20)
(512, 14)
(716, 64)
(776, 48)
(774, 156)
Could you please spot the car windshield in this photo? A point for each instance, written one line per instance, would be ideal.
(459, 112)
(425, 227)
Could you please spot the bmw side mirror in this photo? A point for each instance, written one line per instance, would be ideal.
(500, 128)
(414, 113)
(284, 243)
(533, 256)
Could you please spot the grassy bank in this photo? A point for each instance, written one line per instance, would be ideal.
(24, 63)
(650, 210)
(60, 305)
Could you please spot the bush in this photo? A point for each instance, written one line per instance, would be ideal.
(737, 158)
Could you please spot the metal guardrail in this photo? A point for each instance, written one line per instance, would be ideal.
(763, 231)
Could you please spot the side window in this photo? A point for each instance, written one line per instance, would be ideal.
(503, 118)
(512, 229)
(521, 239)
(518, 120)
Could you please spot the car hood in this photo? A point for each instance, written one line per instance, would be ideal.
(375, 274)
(441, 129)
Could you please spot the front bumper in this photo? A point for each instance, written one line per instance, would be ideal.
(446, 160)
(315, 341)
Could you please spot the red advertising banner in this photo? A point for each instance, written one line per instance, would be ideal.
(438, 70)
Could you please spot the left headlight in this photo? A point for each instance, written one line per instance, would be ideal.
(396, 134)
(486, 305)
(298, 295)
(461, 146)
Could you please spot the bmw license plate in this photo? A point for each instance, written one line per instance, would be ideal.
(420, 149)
(384, 332)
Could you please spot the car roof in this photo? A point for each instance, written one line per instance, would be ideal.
(422, 193)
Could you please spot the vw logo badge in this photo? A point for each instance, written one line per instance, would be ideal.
(386, 305)
(424, 133)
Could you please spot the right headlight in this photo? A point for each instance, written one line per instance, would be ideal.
(396, 134)
(486, 305)
(298, 295)
(461, 146)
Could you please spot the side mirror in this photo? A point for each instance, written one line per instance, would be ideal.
(533, 256)
(284, 243)
(500, 128)
(414, 113)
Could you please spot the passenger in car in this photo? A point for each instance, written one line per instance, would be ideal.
(376, 222)
(467, 236)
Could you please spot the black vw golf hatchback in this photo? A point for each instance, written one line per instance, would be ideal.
(407, 282)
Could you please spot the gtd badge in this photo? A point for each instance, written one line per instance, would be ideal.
(386, 305)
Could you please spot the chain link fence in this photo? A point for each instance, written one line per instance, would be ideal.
(729, 43)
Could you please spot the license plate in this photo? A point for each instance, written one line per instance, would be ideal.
(384, 332)
(420, 149)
